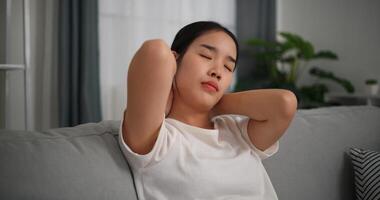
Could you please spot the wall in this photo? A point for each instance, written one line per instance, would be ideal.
(350, 28)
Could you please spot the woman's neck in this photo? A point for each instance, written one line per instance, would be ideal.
(190, 116)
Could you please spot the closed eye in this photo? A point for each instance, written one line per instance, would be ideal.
(209, 58)
(228, 68)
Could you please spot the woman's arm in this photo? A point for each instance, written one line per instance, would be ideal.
(270, 110)
(150, 77)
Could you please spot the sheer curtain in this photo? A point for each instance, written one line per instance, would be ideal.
(125, 24)
(44, 20)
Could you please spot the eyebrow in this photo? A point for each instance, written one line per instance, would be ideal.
(211, 48)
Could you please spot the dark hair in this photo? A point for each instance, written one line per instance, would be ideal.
(190, 32)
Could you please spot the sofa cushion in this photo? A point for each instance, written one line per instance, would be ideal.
(366, 164)
(82, 162)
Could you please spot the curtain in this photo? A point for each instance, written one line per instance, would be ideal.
(43, 61)
(78, 61)
(125, 25)
(43, 112)
(255, 19)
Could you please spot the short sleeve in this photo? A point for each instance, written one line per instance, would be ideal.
(159, 150)
(242, 123)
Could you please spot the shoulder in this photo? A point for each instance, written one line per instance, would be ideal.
(238, 125)
(166, 138)
(233, 123)
(231, 119)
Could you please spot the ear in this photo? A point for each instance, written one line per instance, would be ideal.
(176, 55)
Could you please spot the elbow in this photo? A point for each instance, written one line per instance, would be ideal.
(289, 103)
(157, 54)
(156, 47)
(153, 43)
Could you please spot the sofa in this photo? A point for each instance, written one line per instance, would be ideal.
(85, 161)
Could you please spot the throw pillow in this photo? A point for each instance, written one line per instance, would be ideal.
(366, 164)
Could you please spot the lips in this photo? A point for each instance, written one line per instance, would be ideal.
(212, 84)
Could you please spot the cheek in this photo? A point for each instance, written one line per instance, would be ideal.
(191, 69)
(227, 83)
(186, 78)
(195, 63)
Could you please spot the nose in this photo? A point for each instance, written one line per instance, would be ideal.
(217, 76)
(215, 72)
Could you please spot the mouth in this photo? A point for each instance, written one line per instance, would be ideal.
(209, 87)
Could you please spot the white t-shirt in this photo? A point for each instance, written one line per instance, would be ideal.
(189, 162)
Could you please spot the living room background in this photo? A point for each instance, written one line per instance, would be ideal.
(350, 28)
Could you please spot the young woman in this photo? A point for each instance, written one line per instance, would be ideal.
(184, 136)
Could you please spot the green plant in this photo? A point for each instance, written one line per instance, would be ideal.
(371, 82)
(287, 59)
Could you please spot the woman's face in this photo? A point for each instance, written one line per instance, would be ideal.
(210, 57)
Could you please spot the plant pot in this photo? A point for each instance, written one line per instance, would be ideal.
(372, 89)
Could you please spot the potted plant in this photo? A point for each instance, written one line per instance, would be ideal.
(372, 86)
(286, 60)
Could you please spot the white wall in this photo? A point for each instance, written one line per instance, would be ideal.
(350, 28)
(125, 25)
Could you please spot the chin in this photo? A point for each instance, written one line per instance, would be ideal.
(209, 102)
(201, 99)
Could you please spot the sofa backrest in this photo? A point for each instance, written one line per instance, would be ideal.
(85, 162)
(312, 162)
(82, 162)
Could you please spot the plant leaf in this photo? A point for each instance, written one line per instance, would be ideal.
(291, 38)
(323, 74)
(326, 55)
(305, 48)
(255, 42)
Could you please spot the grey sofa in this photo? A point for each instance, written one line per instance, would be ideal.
(85, 162)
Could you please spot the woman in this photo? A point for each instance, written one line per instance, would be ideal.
(184, 136)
